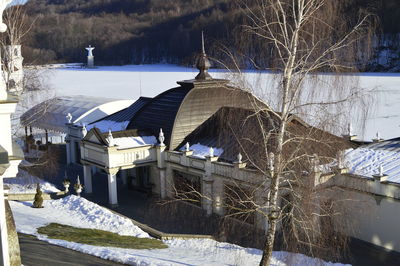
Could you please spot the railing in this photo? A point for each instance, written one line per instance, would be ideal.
(114, 157)
(367, 184)
(216, 168)
(132, 156)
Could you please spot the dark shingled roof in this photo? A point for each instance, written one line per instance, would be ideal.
(128, 113)
(160, 112)
(237, 130)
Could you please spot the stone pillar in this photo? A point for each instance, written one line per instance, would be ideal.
(207, 184)
(72, 147)
(26, 140)
(13, 243)
(68, 149)
(162, 170)
(3, 226)
(112, 187)
(7, 108)
(124, 177)
(208, 194)
(87, 178)
(218, 196)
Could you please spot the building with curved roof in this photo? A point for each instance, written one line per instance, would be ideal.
(203, 138)
(51, 114)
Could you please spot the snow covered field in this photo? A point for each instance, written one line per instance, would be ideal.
(132, 81)
(79, 212)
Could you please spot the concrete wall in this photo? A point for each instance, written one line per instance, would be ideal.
(369, 217)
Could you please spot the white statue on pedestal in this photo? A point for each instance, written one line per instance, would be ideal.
(4, 119)
(90, 50)
(3, 28)
(90, 57)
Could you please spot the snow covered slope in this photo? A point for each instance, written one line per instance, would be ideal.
(79, 212)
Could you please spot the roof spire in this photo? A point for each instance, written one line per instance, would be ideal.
(203, 64)
(202, 42)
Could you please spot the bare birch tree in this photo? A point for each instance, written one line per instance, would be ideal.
(304, 38)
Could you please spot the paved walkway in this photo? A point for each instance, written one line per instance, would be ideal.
(39, 253)
(35, 252)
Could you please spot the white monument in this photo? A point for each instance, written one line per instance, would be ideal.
(15, 73)
(8, 104)
(90, 57)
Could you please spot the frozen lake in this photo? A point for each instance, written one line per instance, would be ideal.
(133, 81)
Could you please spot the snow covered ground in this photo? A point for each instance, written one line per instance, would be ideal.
(26, 183)
(133, 81)
(79, 212)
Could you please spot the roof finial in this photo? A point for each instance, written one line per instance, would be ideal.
(202, 42)
(203, 64)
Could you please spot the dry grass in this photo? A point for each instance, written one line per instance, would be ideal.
(97, 237)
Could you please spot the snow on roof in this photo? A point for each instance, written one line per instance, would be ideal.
(51, 114)
(201, 151)
(365, 160)
(105, 125)
(132, 142)
(119, 120)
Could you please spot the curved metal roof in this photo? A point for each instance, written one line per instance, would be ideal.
(119, 120)
(51, 114)
(160, 112)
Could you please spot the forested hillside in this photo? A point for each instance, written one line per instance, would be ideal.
(152, 31)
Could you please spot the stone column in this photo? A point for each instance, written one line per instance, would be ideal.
(3, 226)
(218, 196)
(68, 149)
(6, 109)
(87, 178)
(208, 194)
(72, 146)
(207, 184)
(162, 170)
(124, 177)
(13, 244)
(112, 187)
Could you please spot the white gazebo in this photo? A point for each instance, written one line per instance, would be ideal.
(51, 115)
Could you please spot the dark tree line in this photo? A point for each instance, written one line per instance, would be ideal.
(153, 31)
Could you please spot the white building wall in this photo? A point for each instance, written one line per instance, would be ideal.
(369, 217)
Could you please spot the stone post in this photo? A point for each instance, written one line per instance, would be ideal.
(72, 147)
(162, 170)
(208, 183)
(161, 164)
(208, 194)
(87, 178)
(68, 149)
(8, 104)
(124, 177)
(3, 225)
(218, 196)
(112, 187)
